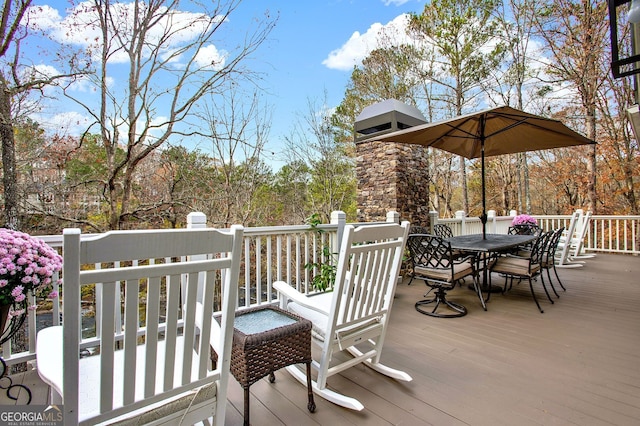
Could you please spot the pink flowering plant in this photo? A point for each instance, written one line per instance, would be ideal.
(524, 219)
(27, 265)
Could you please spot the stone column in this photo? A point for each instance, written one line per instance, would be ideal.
(392, 176)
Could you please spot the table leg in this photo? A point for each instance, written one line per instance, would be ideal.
(311, 405)
(485, 282)
(246, 406)
(476, 288)
(476, 285)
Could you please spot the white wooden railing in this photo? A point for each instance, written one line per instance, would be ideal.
(281, 253)
(606, 234)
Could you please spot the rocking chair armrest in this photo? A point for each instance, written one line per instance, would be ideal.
(294, 295)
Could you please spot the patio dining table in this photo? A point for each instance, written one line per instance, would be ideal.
(483, 247)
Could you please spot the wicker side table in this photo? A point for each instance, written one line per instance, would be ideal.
(266, 339)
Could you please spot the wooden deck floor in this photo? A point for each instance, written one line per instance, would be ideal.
(578, 363)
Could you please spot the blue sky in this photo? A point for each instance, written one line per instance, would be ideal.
(315, 46)
(312, 50)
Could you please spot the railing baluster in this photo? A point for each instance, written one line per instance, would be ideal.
(299, 272)
(288, 260)
(279, 254)
(269, 269)
(307, 273)
(258, 270)
(247, 271)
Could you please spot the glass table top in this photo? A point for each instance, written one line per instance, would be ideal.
(261, 320)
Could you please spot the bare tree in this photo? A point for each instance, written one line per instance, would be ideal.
(18, 78)
(332, 181)
(575, 33)
(463, 35)
(237, 128)
(508, 85)
(619, 150)
(171, 64)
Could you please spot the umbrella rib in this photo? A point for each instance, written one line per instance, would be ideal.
(509, 127)
(458, 127)
(519, 119)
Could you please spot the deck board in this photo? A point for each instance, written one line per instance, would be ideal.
(578, 363)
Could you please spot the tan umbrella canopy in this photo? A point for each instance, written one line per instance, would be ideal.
(494, 131)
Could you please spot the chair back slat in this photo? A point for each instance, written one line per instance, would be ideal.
(153, 311)
(107, 344)
(171, 329)
(380, 269)
(188, 328)
(131, 322)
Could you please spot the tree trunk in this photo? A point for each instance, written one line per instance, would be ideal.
(527, 193)
(591, 186)
(10, 175)
(465, 189)
(591, 165)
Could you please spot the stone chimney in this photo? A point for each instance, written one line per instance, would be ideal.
(391, 176)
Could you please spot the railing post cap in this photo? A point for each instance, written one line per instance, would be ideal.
(393, 216)
(196, 218)
(338, 216)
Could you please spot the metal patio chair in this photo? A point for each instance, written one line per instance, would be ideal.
(549, 258)
(436, 265)
(526, 265)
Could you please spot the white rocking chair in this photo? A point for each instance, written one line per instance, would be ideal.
(577, 243)
(357, 311)
(571, 244)
(153, 365)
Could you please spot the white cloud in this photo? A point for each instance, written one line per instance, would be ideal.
(70, 123)
(43, 18)
(39, 72)
(394, 2)
(80, 28)
(359, 45)
(158, 127)
(210, 56)
(84, 84)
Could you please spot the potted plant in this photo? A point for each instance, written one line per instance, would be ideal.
(27, 266)
(524, 219)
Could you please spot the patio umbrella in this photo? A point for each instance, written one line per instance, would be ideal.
(494, 131)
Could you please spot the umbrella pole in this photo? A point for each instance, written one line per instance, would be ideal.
(483, 216)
